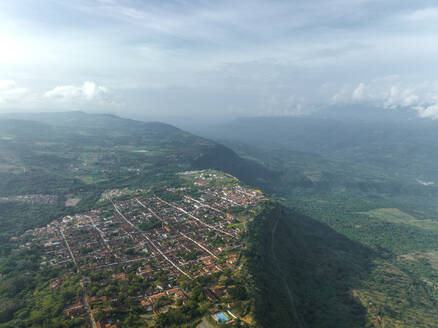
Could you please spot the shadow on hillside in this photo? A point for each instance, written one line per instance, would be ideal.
(224, 159)
(323, 268)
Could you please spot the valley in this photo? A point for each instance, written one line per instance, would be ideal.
(109, 210)
(218, 164)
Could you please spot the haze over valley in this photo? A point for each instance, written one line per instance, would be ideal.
(206, 164)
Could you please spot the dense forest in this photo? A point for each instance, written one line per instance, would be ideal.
(360, 239)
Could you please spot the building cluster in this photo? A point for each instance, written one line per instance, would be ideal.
(187, 232)
(33, 199)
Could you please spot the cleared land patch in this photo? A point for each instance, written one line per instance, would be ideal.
(89, 179)
(71, 202)
(431, 257)
(394, 215)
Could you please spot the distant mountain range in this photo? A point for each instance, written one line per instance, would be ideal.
(405, 148)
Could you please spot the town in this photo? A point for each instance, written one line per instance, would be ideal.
(157, 240)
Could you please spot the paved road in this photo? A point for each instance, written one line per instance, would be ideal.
(198, 244)
(69, 250)
(87, 305)
(84, 288)
(194, 217)
(150, 210)
(150, 241)
(101, 234)
(205, 205)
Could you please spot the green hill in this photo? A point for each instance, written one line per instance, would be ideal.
(75, 152)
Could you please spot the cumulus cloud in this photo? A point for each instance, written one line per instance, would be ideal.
(87, 91)
(358, 93)
(428, 111)
(10, 91)
(14, 96)
(392, 92)
(400, 98)
(171, 54)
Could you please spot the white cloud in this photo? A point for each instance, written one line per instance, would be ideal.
(358, 93)
(398, 97)
(10, 92)
(5, 84)
(13, 96)
(393, 92)
(164, 53)
(428, 111)
(87, 91)
(389, 92)
(422, 15)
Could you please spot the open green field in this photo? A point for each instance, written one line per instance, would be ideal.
(395, 215)
(90, 179)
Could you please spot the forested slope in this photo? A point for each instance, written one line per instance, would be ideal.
(360, 245)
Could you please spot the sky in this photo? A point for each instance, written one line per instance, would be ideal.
(202, 59)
